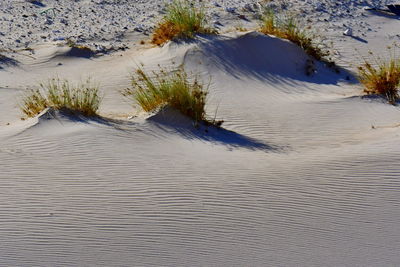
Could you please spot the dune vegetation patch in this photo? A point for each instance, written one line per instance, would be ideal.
(78, 50)
(287, 27)
(82, 98)
(175, 89)
(381, 77)
(183, 20)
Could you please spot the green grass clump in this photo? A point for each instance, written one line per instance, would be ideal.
(288, 28)
(60, 94)
(174, 89)
(182, 20)
(381, 78)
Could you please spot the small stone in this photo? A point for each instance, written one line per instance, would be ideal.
(230, 9)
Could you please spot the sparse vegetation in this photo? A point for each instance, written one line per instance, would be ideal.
(382, 77)
(61, 94)
(174, 89)
(80, 50)
(239, 27)
(288, 28)
(182, 20)
(72, 44)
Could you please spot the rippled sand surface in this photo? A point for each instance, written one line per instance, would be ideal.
(99, 196)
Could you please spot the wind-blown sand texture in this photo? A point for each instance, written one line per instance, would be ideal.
(297, 175)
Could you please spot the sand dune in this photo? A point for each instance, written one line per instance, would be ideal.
(303, 172)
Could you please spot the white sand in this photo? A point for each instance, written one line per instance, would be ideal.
(296, 177)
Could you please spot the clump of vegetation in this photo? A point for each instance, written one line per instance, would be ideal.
(239, 27)
(78, 50)
(182, 20)
(288, 28)
(382, 77)
(60, 94)
(73, 44)
(174, 89)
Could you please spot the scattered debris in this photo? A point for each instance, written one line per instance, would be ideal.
(348, 32)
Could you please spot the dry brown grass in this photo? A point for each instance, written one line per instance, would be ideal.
(382, 77)
(165, 32)
(183, 20)
(72, 44)
(33, 103)
(174, 89)
(60, 94)
(288, 28)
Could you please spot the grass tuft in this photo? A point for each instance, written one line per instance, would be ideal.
(288, 28)
(73, 44)
(182, 20)
(381, 78)
(174, 89)
(60, 94)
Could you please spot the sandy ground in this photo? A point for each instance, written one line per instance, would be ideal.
(304, 171)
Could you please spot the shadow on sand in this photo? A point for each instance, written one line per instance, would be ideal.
(263, 57)
(357, 38)
(65, 115)
(171, 121)
(6, 61)
(82, 52)
(37, 3)
(167, 120)
(383, 13)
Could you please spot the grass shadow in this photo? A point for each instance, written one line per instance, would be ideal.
(171, 121)
(7, 61)
(66, 117)
(80, 52)
(386, 13)
(379, 99)
(73, 116)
